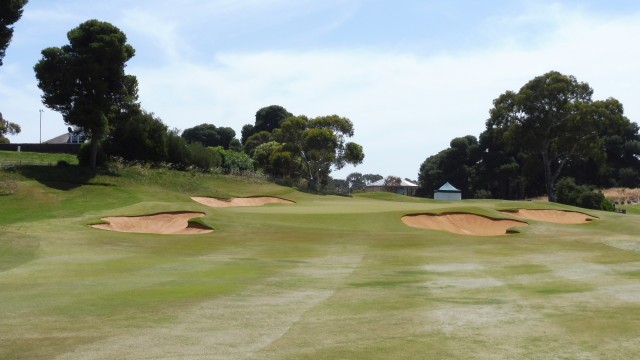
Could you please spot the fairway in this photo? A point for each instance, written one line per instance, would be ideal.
(321, 277)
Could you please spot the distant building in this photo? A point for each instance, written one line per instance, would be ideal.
(447, 192)
(406, 187)
(68, 138)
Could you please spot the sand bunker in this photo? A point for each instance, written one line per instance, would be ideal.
(160, 223)
(462, 223)
(554, 216)
(233, 202)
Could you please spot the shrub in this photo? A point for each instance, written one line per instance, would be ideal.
(584, 196)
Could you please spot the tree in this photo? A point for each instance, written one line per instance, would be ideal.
(255, 140)
(7, 128)
(267, 119)
(371, 178)
(85, 80)
(455, 164)
(392, 184)
(10, 13)
(551, 117)
(356, 181)
(210, 135)
(320, 144)
(142, 137)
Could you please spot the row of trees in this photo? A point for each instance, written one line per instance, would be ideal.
(10, 13)
(85, 81)
(551, 128)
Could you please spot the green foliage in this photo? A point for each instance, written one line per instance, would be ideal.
(455, 164)
(550, 127)
(255, 140)
(85, 80)
(202, 157)
(7, 128)
(267, 119)
(234, 162)
(10, 13)
(141, 137)
(552, 116)
(210, 135)
(581, 195)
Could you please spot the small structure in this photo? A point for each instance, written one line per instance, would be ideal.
(406, 187)
(447, 192)
(68, 138)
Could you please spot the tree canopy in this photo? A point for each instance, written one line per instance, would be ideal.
(267, 119)
(550, 128)
(85, 80)
(553, 117)
(210, 135)
(10, 13)
(307, 148)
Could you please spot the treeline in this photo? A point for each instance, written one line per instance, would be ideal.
(85, 81)
(292, 149)
(549, 130)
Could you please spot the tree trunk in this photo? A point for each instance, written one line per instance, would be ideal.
(93, 158)
(548, 180)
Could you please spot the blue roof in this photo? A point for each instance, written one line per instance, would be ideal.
(448, 188)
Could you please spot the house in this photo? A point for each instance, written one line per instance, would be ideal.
(406, 187)
(447, 192)
(68, 138)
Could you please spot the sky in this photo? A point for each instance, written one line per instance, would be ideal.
(410, 74)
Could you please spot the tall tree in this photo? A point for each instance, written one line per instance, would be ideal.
(85, 80)
(10, 13)
(553, 117)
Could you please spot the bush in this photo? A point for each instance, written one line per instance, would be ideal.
(584, 196)
(234, 162)
(482, 194)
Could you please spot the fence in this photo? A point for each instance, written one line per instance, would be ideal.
(44, 148)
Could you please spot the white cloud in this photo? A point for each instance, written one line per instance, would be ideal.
(405, 107)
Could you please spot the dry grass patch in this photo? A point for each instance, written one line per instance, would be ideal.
(623, 196)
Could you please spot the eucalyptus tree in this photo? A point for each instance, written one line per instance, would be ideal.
(551, 117)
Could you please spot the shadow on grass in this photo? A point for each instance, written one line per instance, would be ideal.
(63, 178)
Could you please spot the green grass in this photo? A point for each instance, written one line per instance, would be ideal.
(34, 157)
(328, 277)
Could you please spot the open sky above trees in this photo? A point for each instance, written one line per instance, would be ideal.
(410, 77)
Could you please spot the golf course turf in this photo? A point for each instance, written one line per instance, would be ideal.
(328, 277)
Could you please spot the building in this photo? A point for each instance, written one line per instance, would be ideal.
(406, 187)
(447, 192)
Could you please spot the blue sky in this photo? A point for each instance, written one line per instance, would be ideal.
(411, 75)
